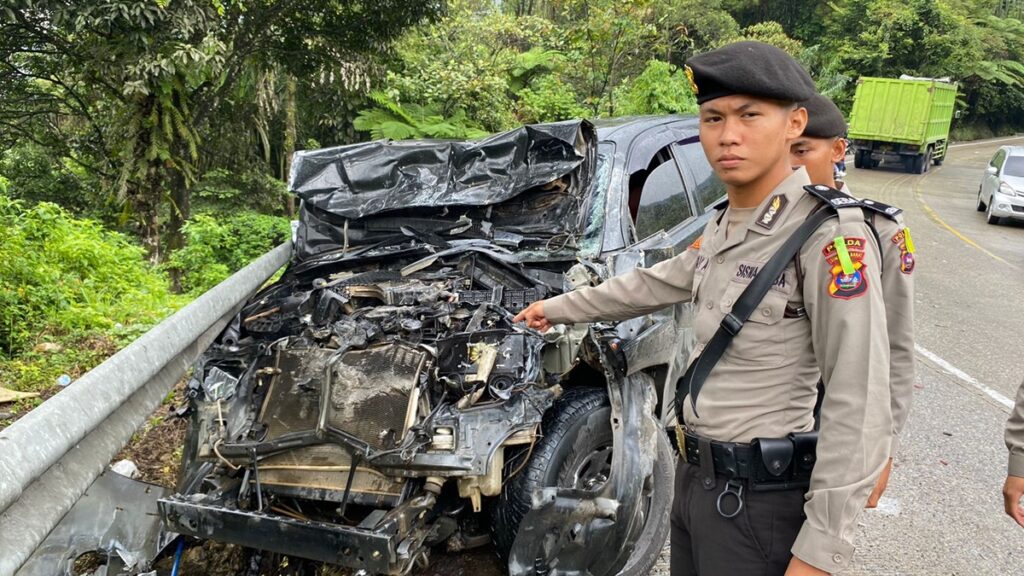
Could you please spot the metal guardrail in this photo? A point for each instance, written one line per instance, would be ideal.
(50, 456)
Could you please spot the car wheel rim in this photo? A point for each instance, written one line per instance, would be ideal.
(593, 471)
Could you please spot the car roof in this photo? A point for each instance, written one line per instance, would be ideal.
(626, 128)
(1010, 150)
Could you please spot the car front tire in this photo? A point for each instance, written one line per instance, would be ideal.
(577, 433)
(989, 216)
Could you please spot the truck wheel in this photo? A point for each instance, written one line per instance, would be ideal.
(575, 452)
(920, 164)
(858, 159)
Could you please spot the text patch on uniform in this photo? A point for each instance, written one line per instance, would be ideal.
(747, 270)
(906, 245)
(845, 258)
(775, 206)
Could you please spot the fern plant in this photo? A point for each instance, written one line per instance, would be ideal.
(388, 119)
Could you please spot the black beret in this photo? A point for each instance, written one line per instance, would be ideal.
(824, 120)
(751, 68)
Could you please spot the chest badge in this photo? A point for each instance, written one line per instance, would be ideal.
(771, 212)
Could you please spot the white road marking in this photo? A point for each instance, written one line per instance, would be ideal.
(888, 506)
(980, 142)
(965, 377)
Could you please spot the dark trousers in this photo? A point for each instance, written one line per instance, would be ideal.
(755, 542)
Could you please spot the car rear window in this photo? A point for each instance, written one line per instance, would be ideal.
(1014, 166)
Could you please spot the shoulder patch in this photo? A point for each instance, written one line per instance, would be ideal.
(833, 197)
(844, 257)
(905, 243)
(890, 212)
(769, 216)
(697, 242)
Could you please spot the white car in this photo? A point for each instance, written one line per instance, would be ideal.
(1001, 194)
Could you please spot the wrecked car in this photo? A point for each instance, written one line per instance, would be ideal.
(377, 401)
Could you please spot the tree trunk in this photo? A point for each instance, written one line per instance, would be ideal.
(180, 210)
(289, 140)
(148, 210)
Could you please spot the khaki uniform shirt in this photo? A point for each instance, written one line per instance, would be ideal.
(898, 262)
(765, 385)
(1015, 435)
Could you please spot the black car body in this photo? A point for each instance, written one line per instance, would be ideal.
(378, 400)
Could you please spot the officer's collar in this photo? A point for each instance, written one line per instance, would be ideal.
(770, 215)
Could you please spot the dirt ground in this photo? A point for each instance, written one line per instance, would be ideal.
(156, 447)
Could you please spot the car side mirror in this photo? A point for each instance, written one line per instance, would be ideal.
(992, 170)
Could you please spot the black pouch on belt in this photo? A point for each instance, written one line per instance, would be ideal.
(805, 446)
(783, 463)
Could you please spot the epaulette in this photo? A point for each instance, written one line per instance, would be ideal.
(832, 197)
(890, 212)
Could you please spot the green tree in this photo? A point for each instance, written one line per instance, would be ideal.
(132, 89)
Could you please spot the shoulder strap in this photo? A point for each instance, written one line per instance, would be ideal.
(832, 197)
(840, 199)
(749, 299)
(890, 212)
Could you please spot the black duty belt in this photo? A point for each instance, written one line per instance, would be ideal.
(765, 463)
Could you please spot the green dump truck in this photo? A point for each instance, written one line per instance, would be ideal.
(902, 120)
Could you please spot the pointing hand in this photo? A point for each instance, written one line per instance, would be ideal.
(534, 317)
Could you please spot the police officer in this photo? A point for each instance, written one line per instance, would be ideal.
(823, 317)
(817, 150)
(1013, 489)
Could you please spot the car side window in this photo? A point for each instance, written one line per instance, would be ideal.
(707, 189)
(997, 160)
(663, 201)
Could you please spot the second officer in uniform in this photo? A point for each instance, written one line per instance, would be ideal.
(823, 317)
(817, 150)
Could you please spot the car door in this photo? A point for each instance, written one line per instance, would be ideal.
(675, 204)
(990, 182)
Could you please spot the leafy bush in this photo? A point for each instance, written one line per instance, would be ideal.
(660, 89)
(68, 277)
(549, 99)
(219, 245)
(34, 174)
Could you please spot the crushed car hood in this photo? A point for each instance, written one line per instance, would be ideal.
(443, 180)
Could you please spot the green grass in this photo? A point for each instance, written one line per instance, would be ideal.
(71, 294)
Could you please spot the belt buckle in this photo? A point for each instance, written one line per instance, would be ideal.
(681, 440)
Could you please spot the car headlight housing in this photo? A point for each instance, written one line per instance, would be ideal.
(1005, 188)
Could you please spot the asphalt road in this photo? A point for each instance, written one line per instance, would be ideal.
(943, 511)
